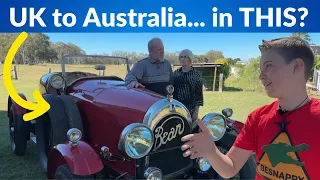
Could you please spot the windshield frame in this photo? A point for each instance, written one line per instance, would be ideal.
(63, 61)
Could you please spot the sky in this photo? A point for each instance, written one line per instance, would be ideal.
(233, 45)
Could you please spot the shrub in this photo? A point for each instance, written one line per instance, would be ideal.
(226, 69)
(248, 79)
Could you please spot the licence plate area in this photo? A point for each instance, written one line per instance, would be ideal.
(169, 161)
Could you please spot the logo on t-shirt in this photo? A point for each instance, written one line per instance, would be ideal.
(281, 161)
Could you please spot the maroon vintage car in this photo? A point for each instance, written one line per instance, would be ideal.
(97, 128)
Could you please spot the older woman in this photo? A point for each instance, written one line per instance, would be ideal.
(188, 84)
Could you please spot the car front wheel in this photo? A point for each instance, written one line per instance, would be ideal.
(248, 171)
(63, 172)
(18, 130)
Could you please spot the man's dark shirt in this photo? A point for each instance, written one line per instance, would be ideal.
(154, 76)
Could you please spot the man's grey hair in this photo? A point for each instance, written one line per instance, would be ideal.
(150, 43)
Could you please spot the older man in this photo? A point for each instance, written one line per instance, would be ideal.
(154, 72)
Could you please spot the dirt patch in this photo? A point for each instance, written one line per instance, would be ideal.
(315, 95)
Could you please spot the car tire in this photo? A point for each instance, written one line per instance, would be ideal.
(51, 129)
(18, 130)
(44, 140)
(248, 171)
(63, 172)
(73, 113)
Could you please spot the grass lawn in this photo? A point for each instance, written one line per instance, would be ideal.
(13, 167)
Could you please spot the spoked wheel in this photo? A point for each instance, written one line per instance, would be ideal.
(18, 130)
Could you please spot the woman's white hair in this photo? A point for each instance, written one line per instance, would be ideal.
(189, 54)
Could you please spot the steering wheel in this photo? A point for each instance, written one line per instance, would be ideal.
(70, 77)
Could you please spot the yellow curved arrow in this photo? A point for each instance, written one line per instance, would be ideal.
(38, 108)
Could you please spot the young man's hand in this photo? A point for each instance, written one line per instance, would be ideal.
(200, 144)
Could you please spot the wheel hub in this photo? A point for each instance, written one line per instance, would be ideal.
(12, 130)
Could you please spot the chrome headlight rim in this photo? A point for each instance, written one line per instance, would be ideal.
(124, 136)
(227, 112)
(200, 162)
(60, 86)
(208, 117)
(74, 132)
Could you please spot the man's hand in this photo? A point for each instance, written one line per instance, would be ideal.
(200, 144)
(135, 84)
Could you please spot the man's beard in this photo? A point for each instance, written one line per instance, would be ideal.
(157, 58)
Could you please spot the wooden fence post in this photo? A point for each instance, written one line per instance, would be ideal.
(220, 82)
(314, 79)
(15, 72)
(317, 83)
(214, 78)
(49, 70)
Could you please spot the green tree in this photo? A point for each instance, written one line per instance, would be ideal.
(213, 55)
(304, 36)
(249, 80)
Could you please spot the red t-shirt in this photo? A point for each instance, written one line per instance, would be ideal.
(292, 155)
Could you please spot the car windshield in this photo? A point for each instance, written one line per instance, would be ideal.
(93, 65)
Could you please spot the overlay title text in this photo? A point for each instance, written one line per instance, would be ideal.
(252, 17)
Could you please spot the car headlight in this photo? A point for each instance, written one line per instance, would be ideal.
(153, 174)
(216, 123)
(74, 135)
(57, 81)
(136, 140)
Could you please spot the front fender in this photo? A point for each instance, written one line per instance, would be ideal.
(18, 110)
(81, 159)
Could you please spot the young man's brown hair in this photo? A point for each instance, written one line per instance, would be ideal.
(291, 48)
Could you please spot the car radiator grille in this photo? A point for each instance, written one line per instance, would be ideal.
(170, 161)
(166, 153)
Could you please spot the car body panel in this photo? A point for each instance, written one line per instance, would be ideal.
(107, 106)
(17, 109)
(82, 159)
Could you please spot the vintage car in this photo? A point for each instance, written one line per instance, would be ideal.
(97, 128)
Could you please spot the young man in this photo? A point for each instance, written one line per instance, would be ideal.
(284, 134)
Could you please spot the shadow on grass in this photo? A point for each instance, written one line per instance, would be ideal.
(232, 89)
(13, 166)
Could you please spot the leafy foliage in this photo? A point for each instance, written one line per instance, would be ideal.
(36, 49)
(248, 77)
(304, 36)
(39, 49)
(226, 68)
